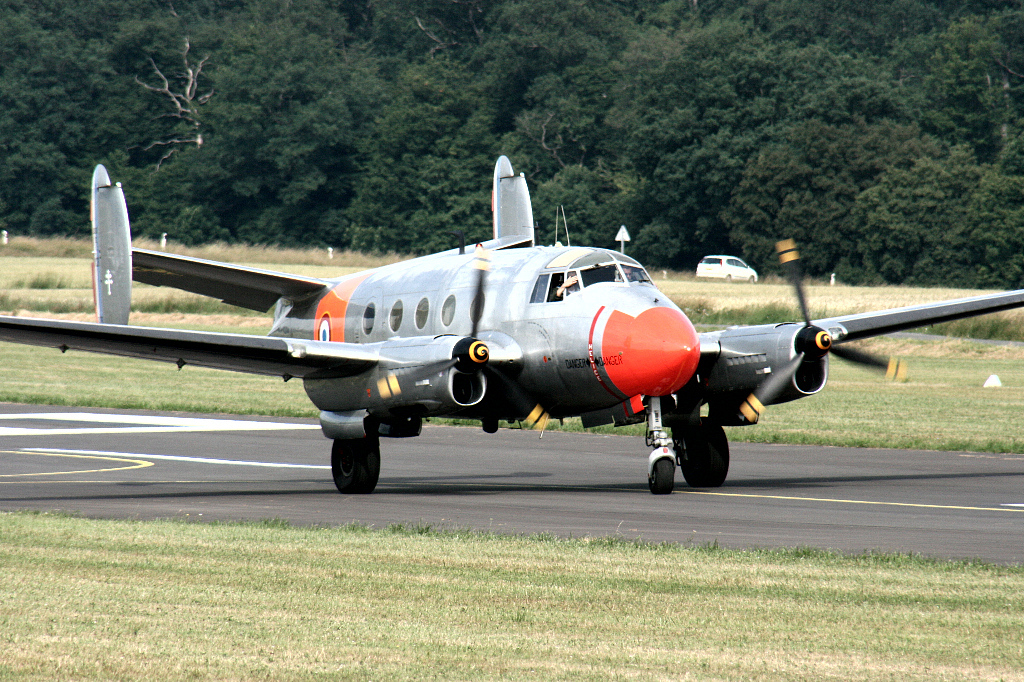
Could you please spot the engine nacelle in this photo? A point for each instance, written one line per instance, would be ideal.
(749, 355)
(418, 376)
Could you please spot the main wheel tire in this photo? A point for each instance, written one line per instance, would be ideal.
(355, 465)
(662, 478)
(705, 461)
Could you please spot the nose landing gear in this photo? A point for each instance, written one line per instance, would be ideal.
(703, 453)
(661, 465)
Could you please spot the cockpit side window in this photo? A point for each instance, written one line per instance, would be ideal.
(540, 289)
(556, 282)
(572, 283)
(562, 284)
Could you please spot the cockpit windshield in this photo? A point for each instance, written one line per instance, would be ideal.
(636, 274)
(601, 273)
(593, 268)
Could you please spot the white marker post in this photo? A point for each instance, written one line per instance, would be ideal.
(163, 241)
(622, 237)
(5, 237)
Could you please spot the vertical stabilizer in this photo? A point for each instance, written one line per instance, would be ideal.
(112, 250)
(510, 202)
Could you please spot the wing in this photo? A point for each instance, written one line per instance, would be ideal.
(250, 288)
(864, 325)
(272, 356)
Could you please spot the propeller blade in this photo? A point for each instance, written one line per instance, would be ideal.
(790, 259)
(482, 263)
(894, 368)
(536, 416)
(753, 407)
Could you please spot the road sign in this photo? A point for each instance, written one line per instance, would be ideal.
(622, 237)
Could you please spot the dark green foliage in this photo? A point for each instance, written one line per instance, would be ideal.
(887, 138)
(806, 185)
(427, 165)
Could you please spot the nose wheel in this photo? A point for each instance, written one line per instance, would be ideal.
(661, 478)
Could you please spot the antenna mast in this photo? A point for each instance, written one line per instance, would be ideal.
(561, 208)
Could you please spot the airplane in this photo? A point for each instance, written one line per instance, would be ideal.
(508, 330)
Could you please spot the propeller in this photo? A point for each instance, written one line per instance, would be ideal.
(471, 355)
(811, 343)
(537, 417)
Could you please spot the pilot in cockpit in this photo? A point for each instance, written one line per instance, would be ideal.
(569, 286)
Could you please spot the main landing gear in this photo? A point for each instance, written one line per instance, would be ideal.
(702, 452)
(355, 464)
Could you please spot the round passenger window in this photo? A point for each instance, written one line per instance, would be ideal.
(396, 316)
(448, 310)
(422, 311)
(368, 315)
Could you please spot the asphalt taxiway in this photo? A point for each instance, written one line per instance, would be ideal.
(110, 463)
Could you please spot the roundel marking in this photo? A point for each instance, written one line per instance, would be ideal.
(332, 307)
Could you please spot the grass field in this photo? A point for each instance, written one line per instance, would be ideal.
(121, 600)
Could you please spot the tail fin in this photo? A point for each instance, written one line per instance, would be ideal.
(510, 202)
(112, 250)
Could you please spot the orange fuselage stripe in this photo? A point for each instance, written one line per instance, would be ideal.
(334, 305)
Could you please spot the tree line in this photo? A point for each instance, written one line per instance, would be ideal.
(886, 138)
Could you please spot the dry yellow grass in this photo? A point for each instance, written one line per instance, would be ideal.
(823, 300)
(253, 324)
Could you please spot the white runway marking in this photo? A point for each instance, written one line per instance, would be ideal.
(176, 458)
(132, 423)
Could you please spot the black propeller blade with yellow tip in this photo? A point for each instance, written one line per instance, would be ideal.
(811, 343)
(482, 264)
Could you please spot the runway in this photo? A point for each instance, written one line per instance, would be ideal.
(134, 464)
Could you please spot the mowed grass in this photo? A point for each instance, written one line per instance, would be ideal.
(123, 600)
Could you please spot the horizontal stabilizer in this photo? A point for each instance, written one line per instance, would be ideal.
(238, 285)
(235, 352)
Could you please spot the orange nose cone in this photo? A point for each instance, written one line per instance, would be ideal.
(658, 348)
